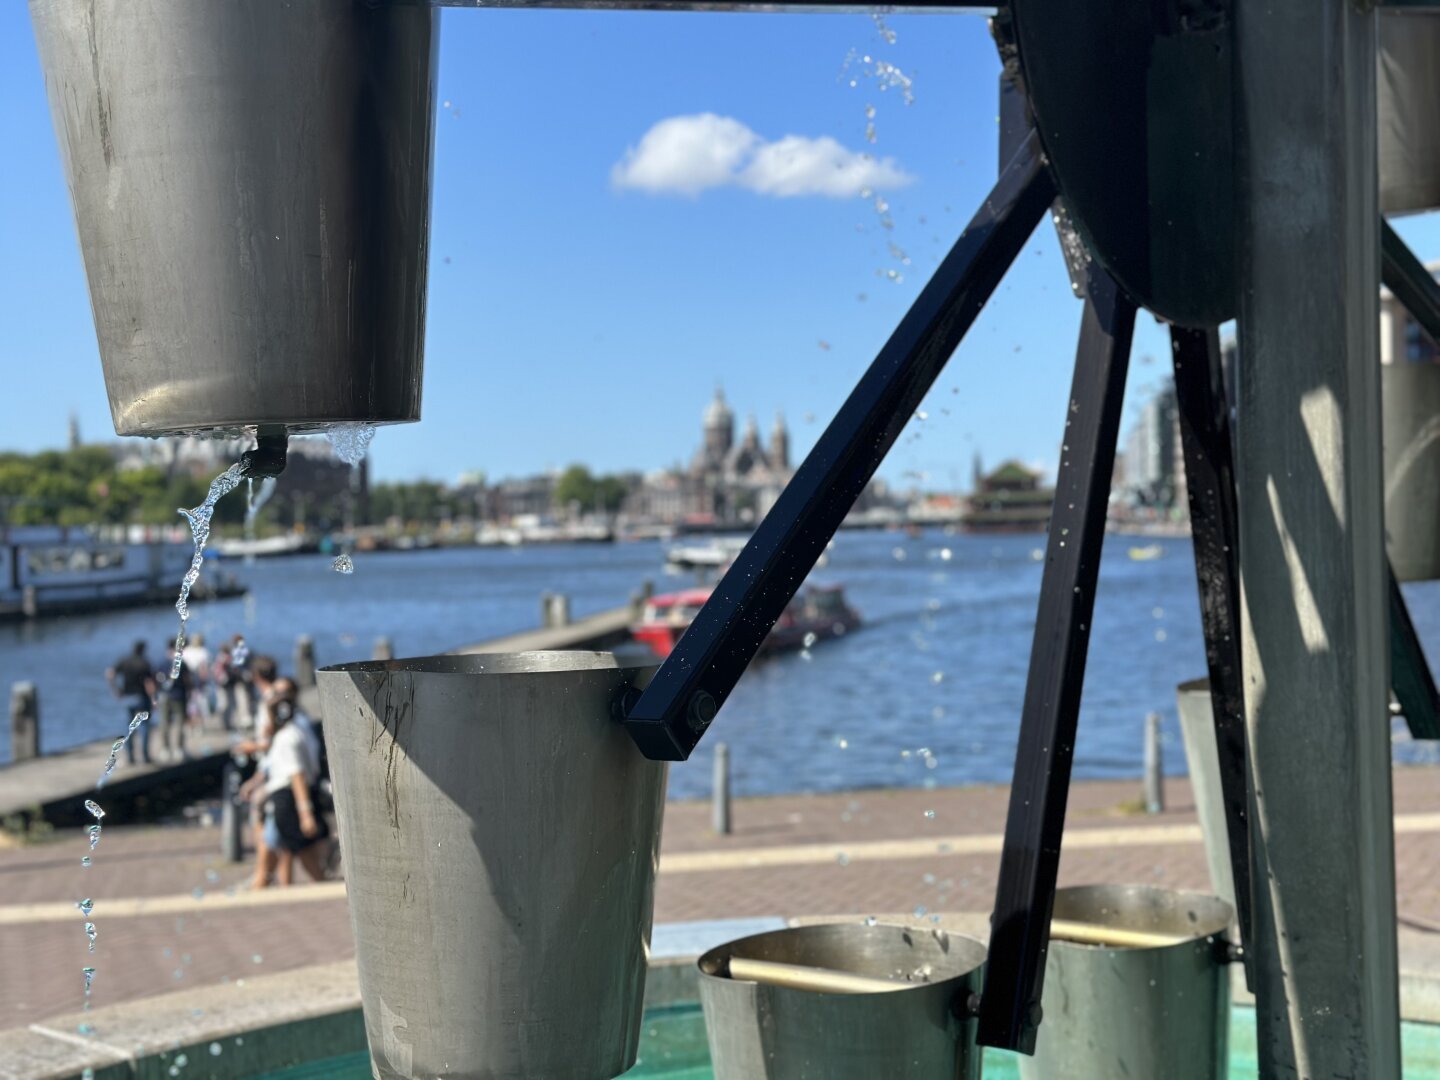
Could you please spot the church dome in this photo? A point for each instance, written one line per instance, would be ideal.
(717, 413)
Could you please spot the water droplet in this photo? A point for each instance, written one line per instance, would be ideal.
(920, 911)
(343, 564)
(870, 920)
(257, 958)
(85, 860)
(94, 831)
(87, 1073)
(94, 809)
(842, 743)
(809, 639)
(842, 858)
(182, 1061)
(89, 973)
(86, 906)
(937, 678)
(930, 814)
(88, 1030)
(216, 1049)
(898, 554)
(90, 934)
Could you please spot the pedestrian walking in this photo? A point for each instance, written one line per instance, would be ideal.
(131, 679)
(202, 692)
(172, 693)
(226, 682)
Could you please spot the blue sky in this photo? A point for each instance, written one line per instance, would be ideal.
(589, 287)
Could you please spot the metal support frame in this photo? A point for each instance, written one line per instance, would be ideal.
(1020, 924)
(1312, 544)
(1410, 674)
(668, 719)
(1215, 533)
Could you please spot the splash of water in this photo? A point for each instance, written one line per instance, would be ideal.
(351, 442)
(253, 505)
(119, 744)
(199, 519)
(878, 17)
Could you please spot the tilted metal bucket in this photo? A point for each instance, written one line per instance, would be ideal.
(1408, 111)
(1410, 404)
(1159, 1010)
(251, 186)
(500, 833)
(768, 1031)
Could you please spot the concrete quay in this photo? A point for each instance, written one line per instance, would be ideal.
(175, 920)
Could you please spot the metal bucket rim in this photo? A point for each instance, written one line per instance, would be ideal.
(468, 665)
(1215, 927)
(730, 948)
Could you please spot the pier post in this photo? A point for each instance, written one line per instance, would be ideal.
(304, 661)
(1154, 766)
(720, 791)
(384, 649)
(1312, 543)
(554, 610)
(24, 721)
(232, 815)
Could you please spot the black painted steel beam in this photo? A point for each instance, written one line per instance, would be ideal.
(674, 711)
(1215, 532)
(1406, 277)
(1025, 896)
(1410, 675)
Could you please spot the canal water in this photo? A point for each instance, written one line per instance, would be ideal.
(927, 693)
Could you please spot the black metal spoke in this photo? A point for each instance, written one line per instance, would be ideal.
(674, 711)
(1025, 896)
(1406, 277)
(1410, 675)
(1214, 528)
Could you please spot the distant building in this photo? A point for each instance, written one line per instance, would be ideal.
(1010, 499)
(727, 484)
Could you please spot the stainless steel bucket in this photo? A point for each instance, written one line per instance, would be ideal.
(1410, 404)
(500, 833)
(251, 186)
(1408, 111)
(1161, 1011)
(762, 1031)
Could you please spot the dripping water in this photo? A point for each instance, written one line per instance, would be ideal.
(351, 442)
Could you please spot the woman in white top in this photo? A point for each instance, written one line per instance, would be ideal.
(292, 768)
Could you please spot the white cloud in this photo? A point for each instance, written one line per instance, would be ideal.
(686, 155)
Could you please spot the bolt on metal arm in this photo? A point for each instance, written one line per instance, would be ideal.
(668, 719)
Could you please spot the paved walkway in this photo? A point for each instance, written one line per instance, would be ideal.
(170, 915)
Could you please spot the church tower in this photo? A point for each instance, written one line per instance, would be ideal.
(719, 428)
(780, 445)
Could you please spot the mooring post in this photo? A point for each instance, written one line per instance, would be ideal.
(557, 609)
(232, 815)
(304, 661)
(384, 649)
(24, 721)
(1154, 766)
(720, 791)
(1312, 544)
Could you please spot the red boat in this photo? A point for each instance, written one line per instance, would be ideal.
(817, 613)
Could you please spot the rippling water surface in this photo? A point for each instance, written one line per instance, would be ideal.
(939, 664)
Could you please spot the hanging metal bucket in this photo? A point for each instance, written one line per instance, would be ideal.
(1410, 405)
(501, 834)
(778, 1029)
(1159, 1010)
(251, 186)
(1408, 109)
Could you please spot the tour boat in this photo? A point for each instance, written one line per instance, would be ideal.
(818, 613)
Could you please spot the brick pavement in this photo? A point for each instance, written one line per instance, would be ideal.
(42, 945)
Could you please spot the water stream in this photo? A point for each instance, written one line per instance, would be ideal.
(199, 519)
(351, 442)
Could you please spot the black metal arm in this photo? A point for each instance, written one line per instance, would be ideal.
(674, 711)
(1215, 533)
(1406, 277)
(1025, 895)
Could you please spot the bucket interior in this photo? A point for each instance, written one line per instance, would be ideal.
(1144, 908)
(922, 956)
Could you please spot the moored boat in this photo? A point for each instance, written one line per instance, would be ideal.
(817, 613)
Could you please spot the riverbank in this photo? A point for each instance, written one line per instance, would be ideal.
(172, 916)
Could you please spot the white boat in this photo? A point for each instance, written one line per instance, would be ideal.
(239, 548)
(709, 554)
